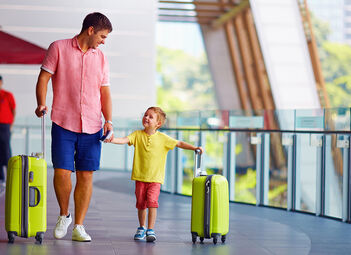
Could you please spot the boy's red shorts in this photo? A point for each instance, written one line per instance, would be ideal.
(146, 194)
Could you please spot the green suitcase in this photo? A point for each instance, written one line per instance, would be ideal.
(25, 199)
(210, 206)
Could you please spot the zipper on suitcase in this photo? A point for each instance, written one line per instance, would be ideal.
(207, 207)
(24, 220)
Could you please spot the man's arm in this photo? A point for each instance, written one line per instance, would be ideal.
(106, 108)
(13, 109)
(14, 116)
(41, 90)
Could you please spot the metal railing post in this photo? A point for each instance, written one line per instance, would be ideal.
(231, 162)
(320, 176)
(262, 169)
(179, 166)
(26, 145)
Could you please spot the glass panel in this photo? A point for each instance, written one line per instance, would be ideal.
(245, 169)
(214, 152)
(333, 177)
(35, 142)
(170, 171)
(306, 165)
(309, 119)
(214, 119)
(247, 119)
(283, 120)
(189, 120)
(337, 119)
(278, 171)
(113, 156)
(18, 140)
(187, 161)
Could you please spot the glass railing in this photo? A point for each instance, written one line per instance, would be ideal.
(298, 160)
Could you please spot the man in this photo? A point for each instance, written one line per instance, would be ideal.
(80, 81)
(7, 116)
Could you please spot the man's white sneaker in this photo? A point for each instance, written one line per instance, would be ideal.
(79, 234)
(61, 226)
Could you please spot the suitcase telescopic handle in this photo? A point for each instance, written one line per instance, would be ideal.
(43, 133)
(198, 162)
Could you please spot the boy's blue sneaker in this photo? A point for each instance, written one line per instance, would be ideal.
(150, 235)
(140, 233)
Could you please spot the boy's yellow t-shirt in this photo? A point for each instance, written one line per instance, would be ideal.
(150, 155)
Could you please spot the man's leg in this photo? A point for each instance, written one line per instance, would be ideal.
(63, 187)
(82, 195)
(4, 150)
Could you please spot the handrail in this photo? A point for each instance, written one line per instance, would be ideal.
(259, 130)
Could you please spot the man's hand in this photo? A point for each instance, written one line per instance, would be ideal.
(40, 109)
(108, 126)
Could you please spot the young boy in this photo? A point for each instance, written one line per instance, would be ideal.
(151, 148)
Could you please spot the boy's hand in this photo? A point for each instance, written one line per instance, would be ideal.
(200, 149)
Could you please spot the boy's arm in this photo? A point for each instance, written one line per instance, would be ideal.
(120, 140)
(187, 146)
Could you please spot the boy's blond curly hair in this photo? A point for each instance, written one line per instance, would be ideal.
(161, 115)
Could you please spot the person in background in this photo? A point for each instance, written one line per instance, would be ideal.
(81, 95)
(151, 148)
(7, 117)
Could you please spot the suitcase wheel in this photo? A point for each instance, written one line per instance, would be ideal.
(39, 237)
(194, 238)
(215, 239)
(223, 238)
(11, 236)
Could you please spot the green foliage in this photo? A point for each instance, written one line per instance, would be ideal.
(277, 195)
(185, 84)
(245, 187)
(321, 29)
(184, 81)
(335, 59)
(214, 149)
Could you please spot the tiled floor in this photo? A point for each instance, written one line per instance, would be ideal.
(112, 221)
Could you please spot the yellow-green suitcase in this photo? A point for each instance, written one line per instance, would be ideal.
(25, 199)
(210, 206)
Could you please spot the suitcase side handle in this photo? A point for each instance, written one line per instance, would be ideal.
(198, 161)
(32, 191)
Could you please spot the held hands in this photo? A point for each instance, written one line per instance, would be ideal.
(108, 127)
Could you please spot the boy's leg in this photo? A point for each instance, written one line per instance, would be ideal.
(140, 192)
(153, 193)
(152, 218)
(142, 217)
(140, 195)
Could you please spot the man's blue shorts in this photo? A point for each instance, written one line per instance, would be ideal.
(75, 151)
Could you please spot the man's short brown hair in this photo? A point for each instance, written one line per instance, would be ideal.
(98, 21)
(161, 115)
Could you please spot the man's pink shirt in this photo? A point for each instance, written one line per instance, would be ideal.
(76, 81)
